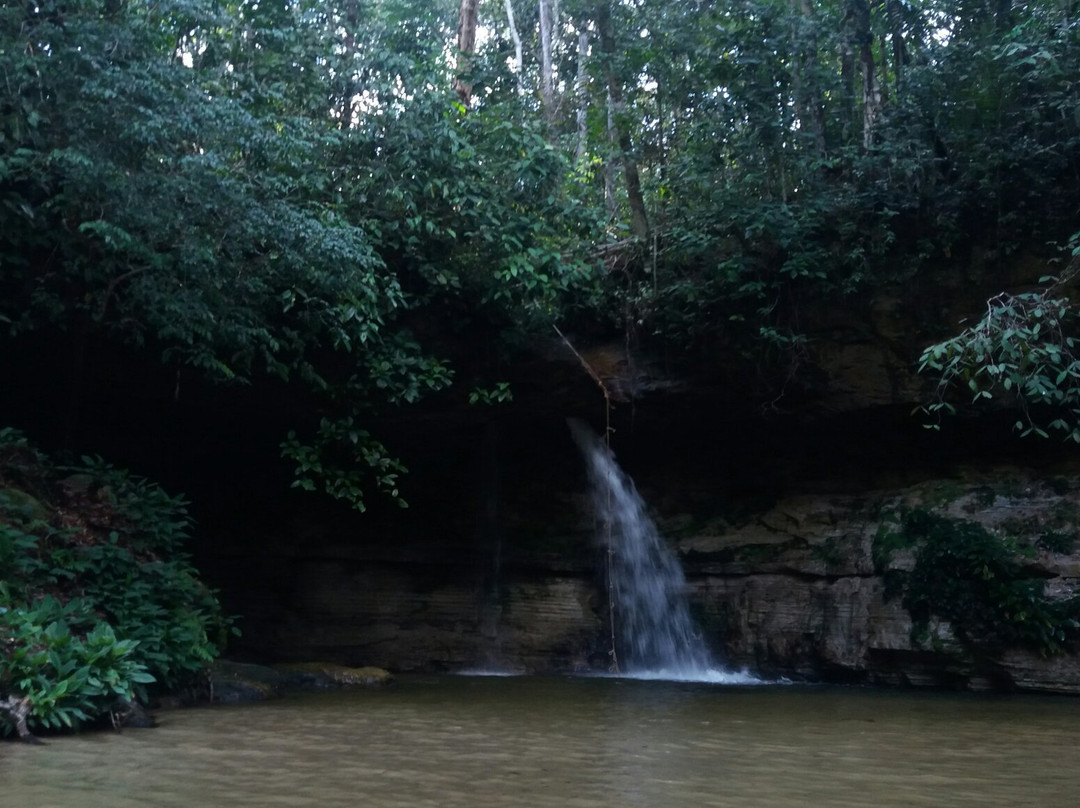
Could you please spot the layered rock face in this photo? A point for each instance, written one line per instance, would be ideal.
(428, 595)
(782, 522)
(812, 586)
(779, 486)
(804, 588)
(779, 482)
(395, 618)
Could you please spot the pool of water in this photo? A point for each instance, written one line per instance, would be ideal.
(571, 742)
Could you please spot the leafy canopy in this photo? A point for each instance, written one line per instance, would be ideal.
(292, 190)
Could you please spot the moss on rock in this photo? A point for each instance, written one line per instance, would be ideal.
(320, 675)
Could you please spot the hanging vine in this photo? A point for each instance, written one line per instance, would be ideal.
(609, 541)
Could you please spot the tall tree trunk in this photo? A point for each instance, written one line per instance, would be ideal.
(639, 220)
(808, 102)
(609, 161)
(661, 139)
(514, 35)
(901, 59)
(871, 89)
(348, 71)
(466, 45)
(847, 74)
(883, 70)
(581, 93)
(547, 76)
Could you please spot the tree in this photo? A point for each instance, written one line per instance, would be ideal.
(547, 74)
(466, 46)
(1023, 353)
(226, 216)
(639, 218)
(286, 191)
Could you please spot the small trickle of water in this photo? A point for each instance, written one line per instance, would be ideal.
(655, 636)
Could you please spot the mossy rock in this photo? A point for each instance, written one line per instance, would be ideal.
(325, 675)
(242, 691)
(19, 505)
(80, 483)
(237, 682)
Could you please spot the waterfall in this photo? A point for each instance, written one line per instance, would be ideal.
(655, 636)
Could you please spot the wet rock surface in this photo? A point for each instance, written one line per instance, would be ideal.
(799, 589)
(239, 682)
(804, 587)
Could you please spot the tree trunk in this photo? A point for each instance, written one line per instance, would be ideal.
(808, 102)
(871, 89)
(581, 91)
(639, 220)
(348, 71)
(896, 33)
(18, 710)
(547, 77)
(609, 161)
(514, 35)
(466, 45)
(847, 75)
(661, 141)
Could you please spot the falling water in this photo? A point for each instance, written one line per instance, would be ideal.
(655, 637)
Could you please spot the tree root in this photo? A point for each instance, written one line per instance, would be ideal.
(17, 711)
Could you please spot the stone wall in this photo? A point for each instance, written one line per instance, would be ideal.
(797, 589)
(772, 481)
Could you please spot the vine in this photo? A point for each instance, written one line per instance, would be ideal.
(609, 542)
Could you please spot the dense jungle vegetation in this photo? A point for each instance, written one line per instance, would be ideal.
(350, 198)
(99, 604)
(331, 194)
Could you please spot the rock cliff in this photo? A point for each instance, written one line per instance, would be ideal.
(813, 585)
(783, 488)
(804, 588)
(775, 477)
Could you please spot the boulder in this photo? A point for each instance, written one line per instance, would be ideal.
(238, 682)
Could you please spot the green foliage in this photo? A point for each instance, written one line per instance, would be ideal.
(498, 394)
(68, 662)
(778, 188)
(90, 614)
(240, 190)
(1022, 353)
(293, 192)
(339, 460)
(1058, 541)
(966, 575)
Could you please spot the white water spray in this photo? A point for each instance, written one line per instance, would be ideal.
(655, 636)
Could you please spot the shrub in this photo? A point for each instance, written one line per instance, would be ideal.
(69, 664)
(99, 601)
(967, 575)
